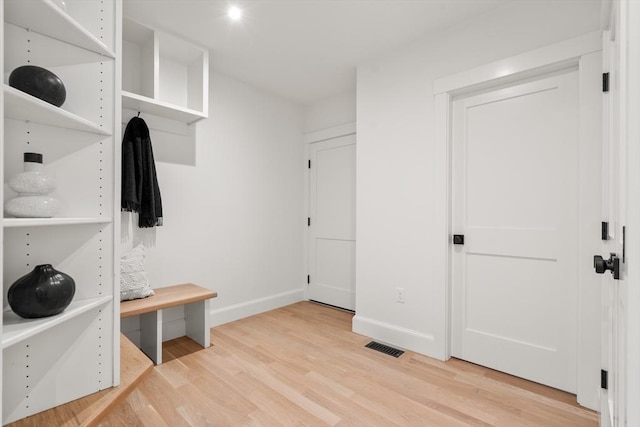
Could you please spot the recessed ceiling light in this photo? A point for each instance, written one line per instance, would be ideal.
(234, 13)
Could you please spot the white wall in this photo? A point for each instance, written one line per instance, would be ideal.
(232, 204)
(396, 197)
(330, 112)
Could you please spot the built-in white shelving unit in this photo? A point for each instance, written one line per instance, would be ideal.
(17, 329)
(2, 388)
(164, 75)
(48, 222)
(50, 361)
(45, 17)
(21, 106)
(136, 102)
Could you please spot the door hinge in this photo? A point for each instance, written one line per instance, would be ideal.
(308, 279)
(309, 164)
(605, 230)
(308, 221)
(604, 379)
(605, 82)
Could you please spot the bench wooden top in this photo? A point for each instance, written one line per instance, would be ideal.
(169, 296)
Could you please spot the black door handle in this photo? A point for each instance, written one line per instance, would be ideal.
(612, 264)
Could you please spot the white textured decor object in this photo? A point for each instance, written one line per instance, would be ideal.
(134, 283)
(33, 188)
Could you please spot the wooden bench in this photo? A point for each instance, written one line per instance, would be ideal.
(196, 309)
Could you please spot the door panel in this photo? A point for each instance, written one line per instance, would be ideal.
(334, 170)
(508, 139)
(520, 301)
(332, 229)
(334, 259)
(515, 198)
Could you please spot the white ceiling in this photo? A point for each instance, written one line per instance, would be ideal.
(302, 50)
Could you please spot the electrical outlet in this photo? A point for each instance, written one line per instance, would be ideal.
(400, 296)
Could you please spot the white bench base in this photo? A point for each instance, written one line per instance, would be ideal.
(197, 320)
(196, 302)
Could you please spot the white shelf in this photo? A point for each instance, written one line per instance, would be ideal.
(48, 222)
(144, 104)
(22, 106)
(17, 329)
(53, 22)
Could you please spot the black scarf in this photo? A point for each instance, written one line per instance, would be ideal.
(140, 191)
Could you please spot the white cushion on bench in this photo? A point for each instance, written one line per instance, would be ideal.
(134, 283)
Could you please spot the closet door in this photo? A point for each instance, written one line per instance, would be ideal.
(332, 222)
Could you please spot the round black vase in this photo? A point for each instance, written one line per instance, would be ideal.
(43, 292)
(39, 82)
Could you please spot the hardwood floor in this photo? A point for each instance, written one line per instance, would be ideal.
(88, 411)
(301, 365)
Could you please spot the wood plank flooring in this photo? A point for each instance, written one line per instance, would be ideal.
(90, 410)
(302, 366)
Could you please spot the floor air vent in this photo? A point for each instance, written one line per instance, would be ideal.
(384, 349)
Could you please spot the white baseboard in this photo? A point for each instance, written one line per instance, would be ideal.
(398, 337)
(228, 314)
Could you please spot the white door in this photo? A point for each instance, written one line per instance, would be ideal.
(611, 194)
(621, 298)
(613, 248)
(515, 200)
(332, 222)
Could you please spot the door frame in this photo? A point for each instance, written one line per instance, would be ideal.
(584, 53)
(308, 139)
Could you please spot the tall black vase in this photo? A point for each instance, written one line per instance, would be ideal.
(43, 292)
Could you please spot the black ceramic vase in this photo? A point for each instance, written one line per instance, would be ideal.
(39, 82)
(43, 292)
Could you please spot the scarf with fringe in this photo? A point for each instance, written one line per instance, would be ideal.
(140, 191)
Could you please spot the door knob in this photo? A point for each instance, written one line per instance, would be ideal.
(612, 264)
